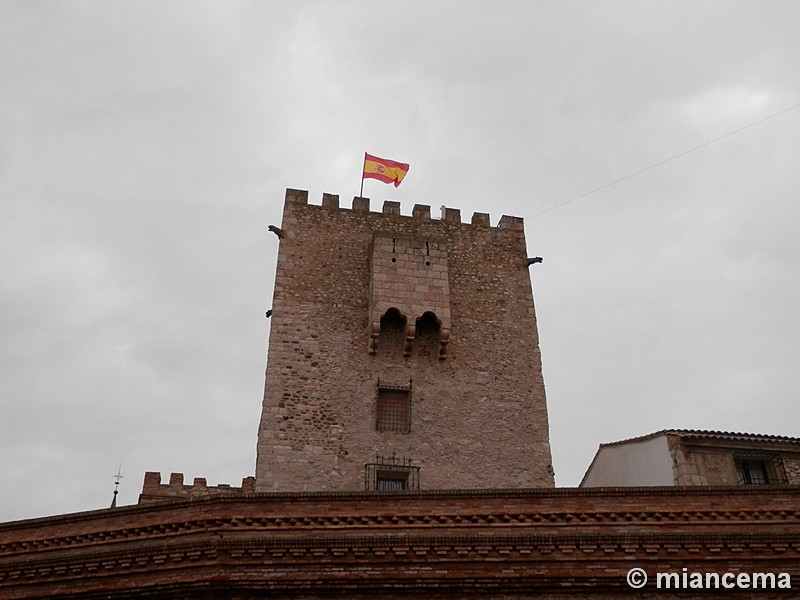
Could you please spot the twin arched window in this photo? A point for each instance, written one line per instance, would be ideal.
(396, 337)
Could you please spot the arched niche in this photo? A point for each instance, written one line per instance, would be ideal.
(428, 337)
(391, 334)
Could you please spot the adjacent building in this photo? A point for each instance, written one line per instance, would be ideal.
(678, 457)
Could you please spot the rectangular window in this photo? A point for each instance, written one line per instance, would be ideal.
(393, 410)
(391, 474)
(752, 472)
(391, 481)
(759, 469)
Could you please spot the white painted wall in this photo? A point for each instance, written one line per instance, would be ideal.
(646, 463)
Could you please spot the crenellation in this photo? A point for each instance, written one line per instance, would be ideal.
(451, 215)
(479, 218)
(154, 491)
(421, 211)
(514, 223)
(330, 201)
(360, 204)
(296, 196)
(391, 207)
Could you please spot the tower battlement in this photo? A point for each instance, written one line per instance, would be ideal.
(401, 336)
(421, 212)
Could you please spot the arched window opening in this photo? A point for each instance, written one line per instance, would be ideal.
(428, 335)
(393, 332)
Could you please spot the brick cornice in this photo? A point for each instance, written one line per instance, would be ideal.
(525, 555)
(387, 522)
(267, 498)
(415, 542)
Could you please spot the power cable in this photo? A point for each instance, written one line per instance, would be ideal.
(666, 160)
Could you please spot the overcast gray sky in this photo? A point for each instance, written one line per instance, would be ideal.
(146, 146)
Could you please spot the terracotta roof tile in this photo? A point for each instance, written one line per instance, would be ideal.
(706, 433)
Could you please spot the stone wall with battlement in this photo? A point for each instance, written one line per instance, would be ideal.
(440, 307)
(155, 491)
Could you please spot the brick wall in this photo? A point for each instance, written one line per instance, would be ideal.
(432, 544)
(479, 416)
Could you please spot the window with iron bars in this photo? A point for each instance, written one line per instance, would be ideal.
(393, 409)
(758, 468)
(391, 474)
(391, 482)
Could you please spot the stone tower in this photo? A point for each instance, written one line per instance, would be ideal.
(403, 353)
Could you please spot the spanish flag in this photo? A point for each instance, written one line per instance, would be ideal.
(387, 171)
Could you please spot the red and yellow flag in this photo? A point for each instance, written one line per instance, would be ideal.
(387, 171)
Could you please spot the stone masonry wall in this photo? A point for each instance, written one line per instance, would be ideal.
(409, 274)
(706, 468)
(713, 462)
(479, 416)
(792, 467)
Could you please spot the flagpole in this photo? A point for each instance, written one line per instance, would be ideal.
(361, 192)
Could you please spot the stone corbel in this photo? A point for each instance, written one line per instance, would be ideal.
(443, 339)
(411, 332)
(375, 332)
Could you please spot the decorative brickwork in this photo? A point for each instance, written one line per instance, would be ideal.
(362, 297)
(539, 543)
